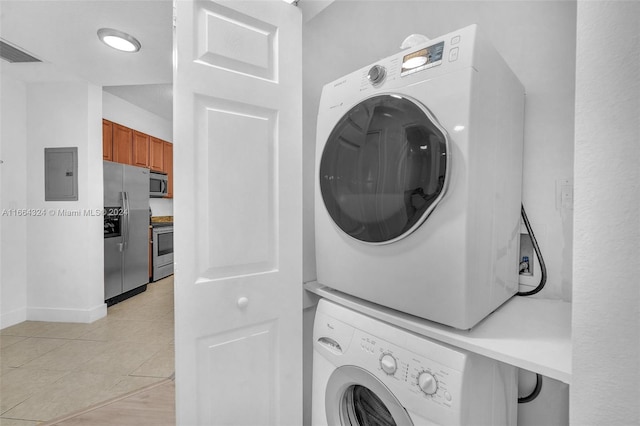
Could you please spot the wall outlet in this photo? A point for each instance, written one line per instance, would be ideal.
(527, 253)
(529, 278)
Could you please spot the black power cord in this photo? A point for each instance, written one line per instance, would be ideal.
(536, 391)
(543, 280)
(536, 248)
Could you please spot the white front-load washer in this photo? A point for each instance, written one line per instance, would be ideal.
(418, 181)
(366, 372)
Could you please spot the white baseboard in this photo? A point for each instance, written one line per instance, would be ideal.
(7, 319)
(67, 315)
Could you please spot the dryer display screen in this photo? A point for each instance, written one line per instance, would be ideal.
(422, 59)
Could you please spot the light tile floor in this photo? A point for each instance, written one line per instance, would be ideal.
(51, 369)
(153, 405)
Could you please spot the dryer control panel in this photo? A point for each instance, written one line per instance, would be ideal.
(425, 61)
(422, 59)
(418, 59)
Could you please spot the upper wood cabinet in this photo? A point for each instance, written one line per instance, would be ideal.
(168, 167)
(140, 149)
(156, 154)
(107, 140)
(122, 144)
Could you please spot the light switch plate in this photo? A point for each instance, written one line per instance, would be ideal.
(564, 194)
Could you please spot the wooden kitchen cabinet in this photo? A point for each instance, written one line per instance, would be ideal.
(168, 166)
(107, 140)
(156, 154)
(122, 144)
(140, 149)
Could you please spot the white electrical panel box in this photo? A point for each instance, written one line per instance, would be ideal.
(61, 174)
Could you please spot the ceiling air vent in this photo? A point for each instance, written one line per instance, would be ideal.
(12, 54)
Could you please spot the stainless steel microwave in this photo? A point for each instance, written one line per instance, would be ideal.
(158, 184)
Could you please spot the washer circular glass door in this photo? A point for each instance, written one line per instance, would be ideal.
(384, 168)
(355, 397)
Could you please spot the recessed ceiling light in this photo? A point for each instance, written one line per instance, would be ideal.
(118, 40)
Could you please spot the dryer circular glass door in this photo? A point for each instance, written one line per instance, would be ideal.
(356, 397)
(384, 168)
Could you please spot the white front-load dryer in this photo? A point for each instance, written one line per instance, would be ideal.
(418, 181)
(366, 372)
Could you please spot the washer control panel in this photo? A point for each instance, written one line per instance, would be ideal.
(427, 383)
(414, 373)
(388, 363)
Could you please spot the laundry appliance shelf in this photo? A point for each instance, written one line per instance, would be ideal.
(529, 333)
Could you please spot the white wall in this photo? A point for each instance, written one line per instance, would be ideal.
(52, 266)
(606, 293)
(537, 39)
(122, 112)
(65, 254)
(13, 195)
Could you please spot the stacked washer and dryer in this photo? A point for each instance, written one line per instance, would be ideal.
(417, 208)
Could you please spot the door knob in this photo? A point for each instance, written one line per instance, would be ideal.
(242, 302)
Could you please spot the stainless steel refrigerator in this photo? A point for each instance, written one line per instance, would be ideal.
(126, 231)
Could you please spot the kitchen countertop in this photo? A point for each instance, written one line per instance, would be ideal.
(161, 219)
(529, 333)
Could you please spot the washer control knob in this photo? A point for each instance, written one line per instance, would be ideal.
(376, 74)
(388, 364)
(427, 383)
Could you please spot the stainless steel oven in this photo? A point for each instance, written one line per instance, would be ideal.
(162, 250)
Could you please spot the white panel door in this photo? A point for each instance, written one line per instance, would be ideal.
(238, 212)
